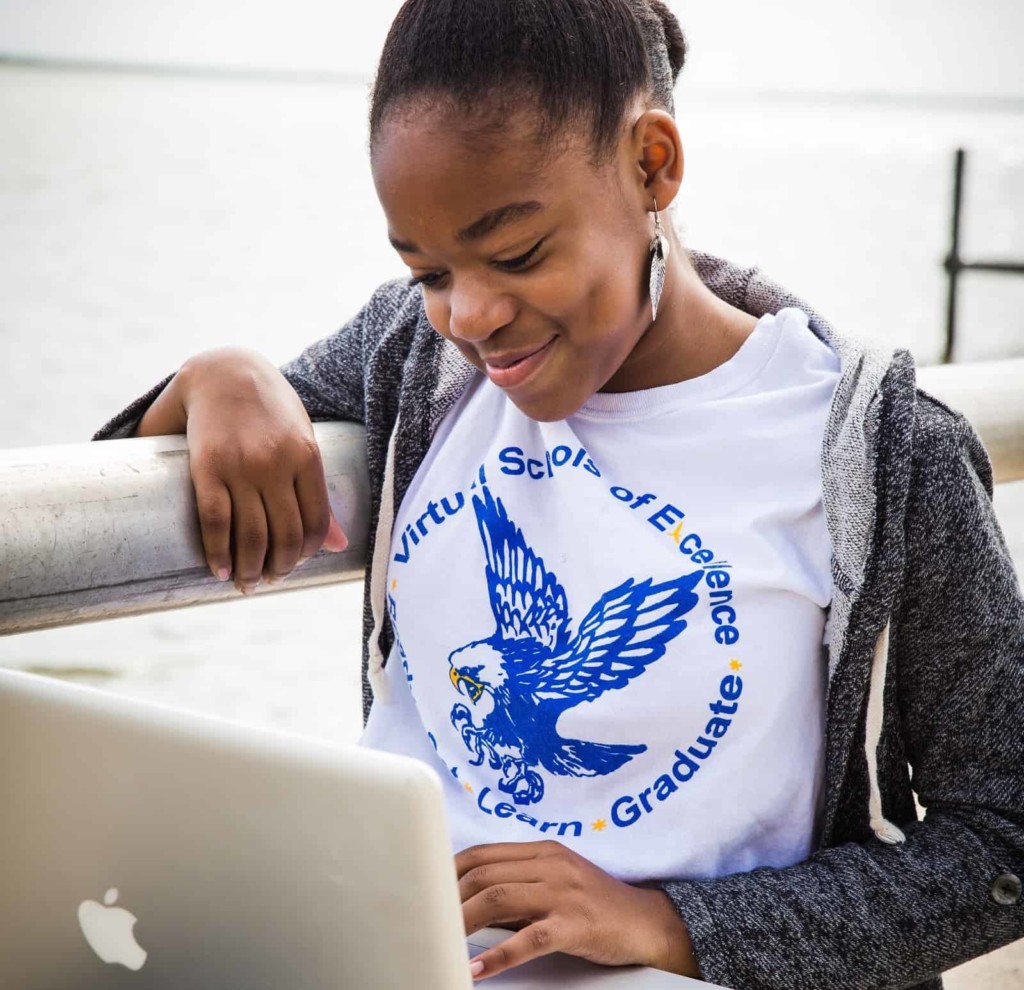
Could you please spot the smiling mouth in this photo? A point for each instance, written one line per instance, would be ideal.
(503, 363)
(516, 372)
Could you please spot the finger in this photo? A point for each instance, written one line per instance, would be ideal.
(336, 539)
(249, 527)
(311, 494)
(494, 874)
(497, 852)
(506, 902)
(538, 939)
(213, 504)
(284, 533)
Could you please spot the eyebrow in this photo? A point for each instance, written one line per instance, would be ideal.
(494, 219)
(481, 227)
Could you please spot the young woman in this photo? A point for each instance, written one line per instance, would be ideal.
(675, 583)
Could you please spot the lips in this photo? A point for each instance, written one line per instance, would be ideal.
(514, 367)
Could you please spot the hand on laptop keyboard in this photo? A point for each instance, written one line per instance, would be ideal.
(558, 901)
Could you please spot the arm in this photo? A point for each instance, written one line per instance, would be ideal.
(260, 490)
(867, 915)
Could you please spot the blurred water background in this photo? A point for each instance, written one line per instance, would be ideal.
(148, 214)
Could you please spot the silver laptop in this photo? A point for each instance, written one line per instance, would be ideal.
(144, 847)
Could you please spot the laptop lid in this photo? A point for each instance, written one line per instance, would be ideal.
(194, 852)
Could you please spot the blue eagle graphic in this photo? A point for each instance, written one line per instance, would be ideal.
(533, 668)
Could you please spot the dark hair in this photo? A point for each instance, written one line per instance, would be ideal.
(585, 58)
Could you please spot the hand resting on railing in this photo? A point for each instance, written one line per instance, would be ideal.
(258, 475)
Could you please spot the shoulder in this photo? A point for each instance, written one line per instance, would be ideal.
(946, 448)
(395, 305)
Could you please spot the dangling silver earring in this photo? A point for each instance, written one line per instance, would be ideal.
(660, 248)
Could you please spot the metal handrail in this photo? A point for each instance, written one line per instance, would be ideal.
(97, 530)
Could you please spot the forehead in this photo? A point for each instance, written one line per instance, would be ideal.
(439, 171)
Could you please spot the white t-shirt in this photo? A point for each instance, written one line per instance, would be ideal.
(609, 629)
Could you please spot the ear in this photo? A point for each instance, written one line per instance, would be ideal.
(658, 156)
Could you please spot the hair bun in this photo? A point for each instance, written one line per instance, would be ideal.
(675, 40)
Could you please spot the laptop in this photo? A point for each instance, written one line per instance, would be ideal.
(143, 847)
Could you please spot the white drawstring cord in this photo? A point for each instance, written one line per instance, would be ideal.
(379, 563)
(880, 825)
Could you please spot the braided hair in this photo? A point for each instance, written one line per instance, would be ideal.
(575, 59)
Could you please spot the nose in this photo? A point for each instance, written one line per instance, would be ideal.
(476, 310)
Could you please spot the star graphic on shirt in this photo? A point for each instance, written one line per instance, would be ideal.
(600, 825)
(675, 533)
(394, 583)
(469, 787)
(735, 664)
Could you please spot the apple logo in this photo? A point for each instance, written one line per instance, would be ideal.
(108, 930)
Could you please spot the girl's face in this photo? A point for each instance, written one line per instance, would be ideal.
(533, 261)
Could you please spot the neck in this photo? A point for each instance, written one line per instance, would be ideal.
(694, 333)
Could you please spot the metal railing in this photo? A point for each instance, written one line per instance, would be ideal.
(97, 530)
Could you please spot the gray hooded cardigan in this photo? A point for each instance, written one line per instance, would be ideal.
(926, 658)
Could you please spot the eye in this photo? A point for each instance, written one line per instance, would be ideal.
(432, 280)
(515, 264)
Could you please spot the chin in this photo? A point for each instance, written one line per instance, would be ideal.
(548, 408)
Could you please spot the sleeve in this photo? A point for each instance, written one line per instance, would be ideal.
(869, 915)
(127, 420)
(327, 375)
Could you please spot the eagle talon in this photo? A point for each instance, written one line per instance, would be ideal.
(475, 742)
(474, 739)
(525, 786)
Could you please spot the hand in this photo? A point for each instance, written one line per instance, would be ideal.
(259, 480)
(560, 902)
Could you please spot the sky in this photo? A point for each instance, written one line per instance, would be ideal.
(902, 47)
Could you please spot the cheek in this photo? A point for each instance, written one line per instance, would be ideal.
(585, 294)
(607, 269)
(607, 303)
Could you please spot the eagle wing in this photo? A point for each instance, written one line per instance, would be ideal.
(627, 629)
(527, 601)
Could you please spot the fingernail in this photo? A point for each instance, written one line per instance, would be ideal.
(302, 560)
(476, 967)
(247, 589)
(223, 573)
(273, 580)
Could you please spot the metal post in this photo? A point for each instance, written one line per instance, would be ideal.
(954, 265)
